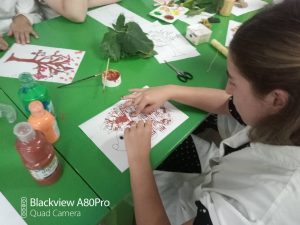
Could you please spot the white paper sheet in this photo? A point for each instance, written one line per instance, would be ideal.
(107, 15)
(44, 63)
(107, 128)
(169, 44)
(232, 28)
(252, 6)
(8, 214)
(195, 19)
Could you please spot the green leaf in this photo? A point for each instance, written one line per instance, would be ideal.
(120, 24)
(135, 40)
(110, 46)
(126, 40)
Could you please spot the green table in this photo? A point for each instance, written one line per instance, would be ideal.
(78, 103)
(17, 183)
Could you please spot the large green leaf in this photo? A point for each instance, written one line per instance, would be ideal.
(135, 40)
(110, 45)
(126, 40)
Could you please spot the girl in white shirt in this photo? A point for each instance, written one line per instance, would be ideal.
(16, 19)
(253, 177)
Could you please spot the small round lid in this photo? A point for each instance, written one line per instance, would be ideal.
(26, 78)
(36, 108)
(24, 131)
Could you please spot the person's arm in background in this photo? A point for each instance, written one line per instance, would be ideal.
(74, 10)
(3, 44)
(94, 3)
(27, 14)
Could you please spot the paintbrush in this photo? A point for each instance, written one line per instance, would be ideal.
(105, 74)
(77, 81)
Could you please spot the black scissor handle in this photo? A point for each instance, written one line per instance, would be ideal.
(184, 76)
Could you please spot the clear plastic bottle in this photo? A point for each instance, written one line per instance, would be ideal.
(42, 120)
(9, 112)
(30, 90)
(37, 154)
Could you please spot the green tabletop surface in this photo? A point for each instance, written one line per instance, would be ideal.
(16, 184)
(78, 103)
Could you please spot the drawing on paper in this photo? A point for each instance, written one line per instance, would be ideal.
(44, 63)
(106, 129)
(118, 119)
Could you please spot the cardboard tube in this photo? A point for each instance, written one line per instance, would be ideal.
(221, 48)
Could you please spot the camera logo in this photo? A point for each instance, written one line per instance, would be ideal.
(24, 207)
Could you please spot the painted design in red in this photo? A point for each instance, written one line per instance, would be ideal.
(119, 118)
(47, 66)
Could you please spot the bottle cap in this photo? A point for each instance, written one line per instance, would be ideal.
(26, 79)
(24, 131)
(36, 108)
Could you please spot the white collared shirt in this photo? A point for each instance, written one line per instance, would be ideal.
(258, 185)
(12, 8)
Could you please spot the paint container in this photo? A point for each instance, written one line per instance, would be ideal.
(30, 90)
(40, 119)
(111, 78)
(37, 154)
(168, 14)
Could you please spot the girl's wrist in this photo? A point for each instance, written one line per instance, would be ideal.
(169, 91)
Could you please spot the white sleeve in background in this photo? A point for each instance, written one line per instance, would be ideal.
(7, 12)
(29, 9)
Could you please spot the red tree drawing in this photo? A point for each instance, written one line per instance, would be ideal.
(47, 65)
(119, 118)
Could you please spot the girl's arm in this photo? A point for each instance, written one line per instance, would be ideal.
(210, 100)
(148, 206)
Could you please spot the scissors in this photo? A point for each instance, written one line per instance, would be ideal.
(183, 76)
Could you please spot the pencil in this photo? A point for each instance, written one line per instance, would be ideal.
(106, 71)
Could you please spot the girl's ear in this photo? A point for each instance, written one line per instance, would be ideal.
(277, 100)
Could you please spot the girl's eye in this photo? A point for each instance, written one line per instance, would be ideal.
(231, 83)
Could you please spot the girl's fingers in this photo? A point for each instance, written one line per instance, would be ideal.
(17, 37)
(149, 109)
(34, 34)
(27, 37)
(137, 90)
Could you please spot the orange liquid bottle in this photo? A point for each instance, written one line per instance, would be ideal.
(42, 120)
(37, 154)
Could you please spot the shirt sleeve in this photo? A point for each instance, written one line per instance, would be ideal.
(29, 9)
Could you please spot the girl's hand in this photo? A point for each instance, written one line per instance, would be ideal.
(147, 100)
(138, 141)
(3, 44)
(21, 29)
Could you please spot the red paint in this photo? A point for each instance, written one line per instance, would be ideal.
(121, 119)
(169, 17)
(112, 75)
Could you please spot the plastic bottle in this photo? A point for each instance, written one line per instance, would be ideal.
(30, 90)
(37, 154)
(9, 112)
(227, 7)
(42, 120)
